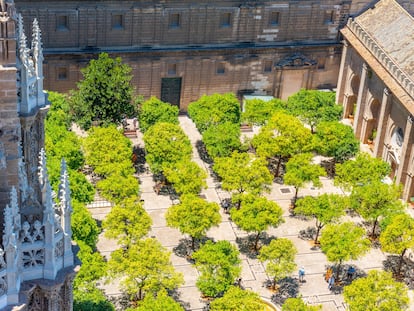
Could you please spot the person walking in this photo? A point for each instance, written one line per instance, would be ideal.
(331, 282)
(302, 274)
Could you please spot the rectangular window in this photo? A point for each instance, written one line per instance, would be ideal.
(267, 66)
(172, 69)
(220, 69)
(62, 73)
(274, 18)
(225, 20)
(117, 21)
(329, 17)
(321, 63)
(62, 23)
(174, 20)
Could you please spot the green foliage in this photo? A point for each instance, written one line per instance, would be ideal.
(337, 140)
(376, 292)
(363, 170)
(162, 302)
(84, 227)
(193, 216)
(222, 139)
(104, 95)
(166, 144)
(375, 200)
(397, 237)
(280, 257)
(313, 107)
(242, 172)
(256, 214)
(153, 111)
(127, 221)
(300, 170)
(116, 187)
(108, 151)
(145, 269)
(214, 109)
(91, 299)
(219, 264)
(236, 299)
(186, 177)
(258, 112)
(58, 112)
(343, 242)
(297, 304)
(325, 209)
(80, 188)
(86, 295)
(283, 136)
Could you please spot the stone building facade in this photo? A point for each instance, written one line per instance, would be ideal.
(180, 50)
(36, 258)
(376, 85)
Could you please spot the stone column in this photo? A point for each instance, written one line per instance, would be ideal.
(381, 130)
(341, 84)
(359, 104)
(402, 167)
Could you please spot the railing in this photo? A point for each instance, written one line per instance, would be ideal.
(403, 79)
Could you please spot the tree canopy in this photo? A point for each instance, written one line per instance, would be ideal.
(219, 265)
(222, 139)
(144, 268)
(214, 109)
(258, 112)
(376, 292)
(313, 107)
(297, 304)
(104, 95)
(337, 140)
(193, 216)
(398, 237)
(280, 258)
(242, 172)
(325, 209)
(256, 214)
(160, 302)
(376, 200)
(186, 177)
(236, 299)
(153, 111)
(127, 221)
(166, 144)
(342, 242)
(362, 170)
(300, 170)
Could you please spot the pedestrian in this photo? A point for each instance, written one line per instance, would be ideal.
(328, 274)
(350, 273)
(302, 274)
(331, 282)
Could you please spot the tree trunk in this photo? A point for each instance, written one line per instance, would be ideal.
(140, 294)
(279, 161)
(318, 229)
(374, 227)
(192, 243)
(256, 241)
(295, 197)
(338, 270)
(401, 262)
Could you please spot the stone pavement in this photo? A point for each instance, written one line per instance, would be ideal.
(314, 290)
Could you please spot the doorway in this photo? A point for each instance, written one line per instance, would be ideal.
(171, 91)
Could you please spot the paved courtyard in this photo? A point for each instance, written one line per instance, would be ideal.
(314, 290)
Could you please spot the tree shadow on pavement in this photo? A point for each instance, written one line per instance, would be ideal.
(246, 244)
(202, 152)
(176, 295)
(287, 288)
(406, 274)
(138, 158)
(184, 250)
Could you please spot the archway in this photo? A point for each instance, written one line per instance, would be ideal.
(352, 95)
(372, 121)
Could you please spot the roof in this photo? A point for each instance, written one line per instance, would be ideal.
(392, 28)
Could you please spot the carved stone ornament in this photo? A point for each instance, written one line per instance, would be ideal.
(296, 60)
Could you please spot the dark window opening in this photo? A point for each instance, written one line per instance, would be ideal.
(267, 66)
(329, 17)
(172, 69)
(174, 21)
(62, 22)
(221, 69)
(274, 18)
(117, 21)
(62, 73)
(225, 20)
